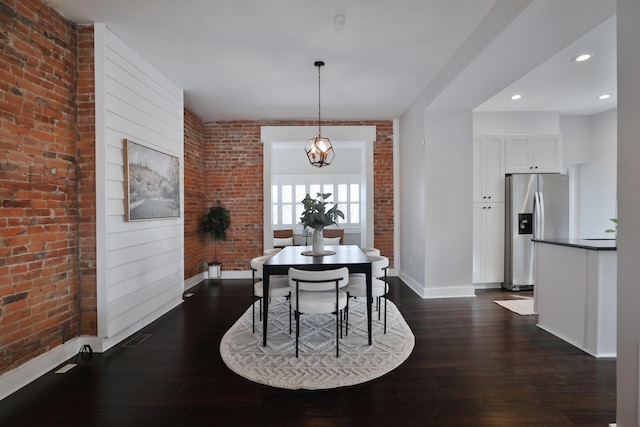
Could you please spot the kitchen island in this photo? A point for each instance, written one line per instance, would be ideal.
(575, 292)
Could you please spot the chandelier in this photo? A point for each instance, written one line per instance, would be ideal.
(319, 149)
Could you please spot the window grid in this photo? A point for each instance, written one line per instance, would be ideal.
(286, 201)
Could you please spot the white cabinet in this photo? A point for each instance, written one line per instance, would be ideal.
(488, 168)
(533, 154)
(488, 242)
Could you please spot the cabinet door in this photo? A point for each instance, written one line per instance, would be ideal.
(494, 168)
(478, 168)
(488, 168)
(547, 153)
(478, 243)
(494, 242)
(518, 154)
(488, 242)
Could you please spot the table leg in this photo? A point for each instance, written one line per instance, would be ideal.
(265, 305)
(369, 302)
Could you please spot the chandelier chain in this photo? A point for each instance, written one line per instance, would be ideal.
(319, 122)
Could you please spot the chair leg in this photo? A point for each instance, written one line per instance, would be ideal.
(338, 313)
(346, 317)
(253, 317)
(297, 316)
(385, 314)
(290, 316)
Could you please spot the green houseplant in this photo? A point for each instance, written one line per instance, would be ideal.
(613, 230)
(216, 222)
(316, 216)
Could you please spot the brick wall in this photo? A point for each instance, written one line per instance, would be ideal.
(86, 113)
(233, 167)
(194, 203)
(39, 171)
(48, 188)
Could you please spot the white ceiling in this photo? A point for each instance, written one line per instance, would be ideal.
(253, 59)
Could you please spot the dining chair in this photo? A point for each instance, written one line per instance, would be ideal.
(319, 292)
(283, 237)
(278, 287)
(357, 287)
(329, 233)
(272, 251)
(370, 251)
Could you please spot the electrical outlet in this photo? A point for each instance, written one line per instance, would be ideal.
(66, 368)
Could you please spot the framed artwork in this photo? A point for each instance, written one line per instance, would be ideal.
(152, 183)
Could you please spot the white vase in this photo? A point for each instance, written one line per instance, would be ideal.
(318, 242)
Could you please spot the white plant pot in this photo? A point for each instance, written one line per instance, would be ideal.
(318, 242)
(214, 271)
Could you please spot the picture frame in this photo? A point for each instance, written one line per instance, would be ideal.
(152, 183)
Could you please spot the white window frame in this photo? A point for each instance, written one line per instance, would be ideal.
(308, 181)
(362, 137)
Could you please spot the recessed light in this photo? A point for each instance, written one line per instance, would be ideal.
(604, 96)
(582, 58)
(516, 96)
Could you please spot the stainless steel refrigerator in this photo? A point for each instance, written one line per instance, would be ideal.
(536, 206)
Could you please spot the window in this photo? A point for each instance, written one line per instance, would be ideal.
(288, 191)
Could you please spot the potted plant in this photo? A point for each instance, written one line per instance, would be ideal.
(216, 222)
(613, 230)
(317, 217)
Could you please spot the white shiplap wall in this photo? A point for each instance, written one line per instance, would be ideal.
(140, 264)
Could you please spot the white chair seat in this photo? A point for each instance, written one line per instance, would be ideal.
(331, 241)
(371, 251)
(272, 251)
(357, 287)
(278, 287)
(319, 292)
(318, 302)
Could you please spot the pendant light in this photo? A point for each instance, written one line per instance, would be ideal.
(319, 149)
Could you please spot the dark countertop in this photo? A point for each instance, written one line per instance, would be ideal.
(591, 244)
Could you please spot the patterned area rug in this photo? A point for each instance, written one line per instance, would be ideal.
(317, 367)
(523, 307)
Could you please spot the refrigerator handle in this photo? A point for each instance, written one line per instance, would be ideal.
(541, 214)
(536, 215)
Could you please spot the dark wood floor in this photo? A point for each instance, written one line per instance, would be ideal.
(474, 364)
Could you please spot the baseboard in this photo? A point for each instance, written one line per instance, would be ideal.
(497, 285)
(194, 280)
(438, 292)
(449, 292)
(412, 284)
(14, 380)
(237, 274)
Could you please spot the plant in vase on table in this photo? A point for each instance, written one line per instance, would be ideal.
(316, 216)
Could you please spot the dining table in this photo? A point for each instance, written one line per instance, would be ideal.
(301, 257)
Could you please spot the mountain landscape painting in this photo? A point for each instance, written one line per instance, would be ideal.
(152, 181)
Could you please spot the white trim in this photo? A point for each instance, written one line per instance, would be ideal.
(195, 280)
(101, 176)
(450, 292)
(438, 292)
(14, 380)
(241, 274)
(396, 195)
(365, 136)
